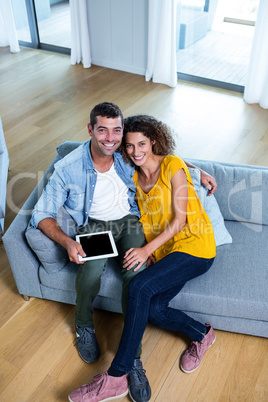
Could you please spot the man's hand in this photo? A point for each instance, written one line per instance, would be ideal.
(209, 182)
(73, 249)
(52, 230)
(206, 179)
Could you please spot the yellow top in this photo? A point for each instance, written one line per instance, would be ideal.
(197, 237)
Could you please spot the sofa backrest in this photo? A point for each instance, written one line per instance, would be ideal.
(242, 192)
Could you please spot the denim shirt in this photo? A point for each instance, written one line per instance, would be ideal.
(73, 183)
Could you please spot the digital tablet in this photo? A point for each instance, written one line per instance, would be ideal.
(97, 245)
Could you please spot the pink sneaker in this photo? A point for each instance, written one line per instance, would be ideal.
(191, 359)
(103, 388)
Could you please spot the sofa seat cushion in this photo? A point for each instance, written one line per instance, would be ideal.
(238, 293)
(236, 284)
(111, 282)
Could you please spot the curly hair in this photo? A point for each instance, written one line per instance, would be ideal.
(151, 128)
(105, 109)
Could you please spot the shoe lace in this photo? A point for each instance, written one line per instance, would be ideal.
(85, 337)
(138, 375)
(195, 349)
(96, 384)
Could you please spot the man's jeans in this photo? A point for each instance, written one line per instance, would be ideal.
(149, 296)
(127, 233)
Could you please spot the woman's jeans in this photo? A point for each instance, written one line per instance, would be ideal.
(149, 295)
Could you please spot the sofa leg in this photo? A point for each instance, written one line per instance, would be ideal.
(26, 298)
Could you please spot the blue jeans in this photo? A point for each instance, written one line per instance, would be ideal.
(149, 295)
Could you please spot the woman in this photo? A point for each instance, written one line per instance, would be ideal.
(180, 242)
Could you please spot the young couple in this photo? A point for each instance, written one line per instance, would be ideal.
(179, 246)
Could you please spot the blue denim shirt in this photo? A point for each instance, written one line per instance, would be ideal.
(73, 183)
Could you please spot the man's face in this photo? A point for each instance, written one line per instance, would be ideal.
(106, 135)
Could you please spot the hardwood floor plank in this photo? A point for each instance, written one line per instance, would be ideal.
(163, 359)
(7, 373)
(36, 367)
(49, 390)
(32, 325)
(241, 385)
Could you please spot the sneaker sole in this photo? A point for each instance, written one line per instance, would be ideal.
(191, 371)
(107, 399)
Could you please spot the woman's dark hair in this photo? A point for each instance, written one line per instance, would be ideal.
(153, 129)
(105, 109)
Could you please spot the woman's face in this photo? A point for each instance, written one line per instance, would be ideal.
(138, 148)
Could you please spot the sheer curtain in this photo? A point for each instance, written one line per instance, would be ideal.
(256, 89)
(162, 66)
(80, 45)
(8, 34)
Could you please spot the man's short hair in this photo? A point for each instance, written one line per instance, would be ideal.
(105, 109)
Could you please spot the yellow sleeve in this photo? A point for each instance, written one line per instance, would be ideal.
(172, 164)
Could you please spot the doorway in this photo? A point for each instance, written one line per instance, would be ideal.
(217, 40)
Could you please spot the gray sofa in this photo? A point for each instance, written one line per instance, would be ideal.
(4, 162)
(233, 295)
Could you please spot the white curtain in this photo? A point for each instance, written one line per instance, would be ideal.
(256, 88)
(80, 44)
(8, 33)
(162, 66)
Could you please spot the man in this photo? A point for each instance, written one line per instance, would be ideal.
(95, 186)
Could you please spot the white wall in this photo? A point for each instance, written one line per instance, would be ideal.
(118, 34)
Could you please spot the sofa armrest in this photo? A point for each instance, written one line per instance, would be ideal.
(23, 262)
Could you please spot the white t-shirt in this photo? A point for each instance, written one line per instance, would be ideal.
(110, 199)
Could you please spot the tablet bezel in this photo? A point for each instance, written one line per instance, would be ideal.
(97, 257)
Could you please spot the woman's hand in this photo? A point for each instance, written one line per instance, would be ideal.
(135, 257)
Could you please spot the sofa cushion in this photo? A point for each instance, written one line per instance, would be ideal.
(66, 147)
(53, 256)
(111, 280)
(222, 236)
(236, 284)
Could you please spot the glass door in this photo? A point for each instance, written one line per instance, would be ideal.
(214, 39)
(43, 24)
(54, 23)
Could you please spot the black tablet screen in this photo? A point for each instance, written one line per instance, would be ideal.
(96, 244)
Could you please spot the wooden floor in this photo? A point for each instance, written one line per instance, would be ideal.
(44, 101)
